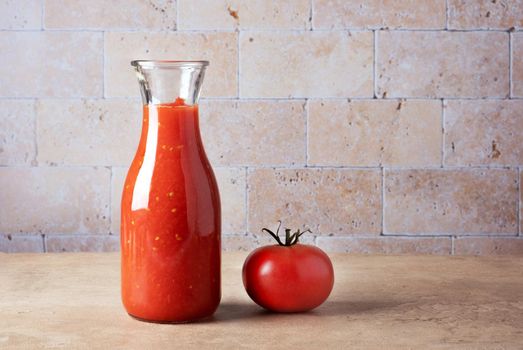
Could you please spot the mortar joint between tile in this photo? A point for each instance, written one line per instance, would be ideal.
(447, 9)
(35, 132)
(311, 13)
(306, 111)
(375, 63)
(246, 198)
(104, 75)
(443, 133)
(42, 15)
(111, 169)
(382, 201)
(238, 72)
(510, 64)
(518, 214)
(177, 18)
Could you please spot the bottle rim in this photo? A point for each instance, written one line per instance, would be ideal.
(152, 64)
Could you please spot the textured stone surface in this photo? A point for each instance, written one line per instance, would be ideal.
(484, 132)
(54, 200)
(231, 182)
(488, 246)
(243, 14)
(220, 48)
(250, 241)
(88, 132)
(82, 243)
(517, 64)
(378, 302)
(254, 132)
(60, 64)
(17, 129)
(20, 243)
(117, 181)
(326, 92)
(20, 14)
(325, 200)
(386, 245)
(374, 132)
(241, 243)
(493, 14)
(411, 14)
(306, 64)
(118, 14)
(442, 64)
(232, 185)
(473, 201)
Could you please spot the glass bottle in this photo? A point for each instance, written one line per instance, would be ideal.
(170, 219)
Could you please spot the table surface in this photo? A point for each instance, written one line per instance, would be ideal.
(72, 301)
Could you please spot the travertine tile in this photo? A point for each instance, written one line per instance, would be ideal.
(243, 243)
(20, 243)
(82, 243)
(17, 132)
(488, 246)
(338, 201)
(249, 242)
(425, 14)
(232, 185)
(474, 14)
(467, 201)
(231, 182)
(306, 64)
(52, 114)
(117, 181)
(54, 200)
(88, 132)
(484, 132)
(21, 14)
(243, 14)
(254, 132)
(517, 64)
(51, 64)
(386, 245)
(220, 48)
(114, 14)
(374, 132)
(442, 64)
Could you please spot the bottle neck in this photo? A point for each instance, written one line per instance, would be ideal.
(161, 81)
(171, 127)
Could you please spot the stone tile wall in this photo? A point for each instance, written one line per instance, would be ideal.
(387, 127)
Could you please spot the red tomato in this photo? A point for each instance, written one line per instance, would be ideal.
(291, 278)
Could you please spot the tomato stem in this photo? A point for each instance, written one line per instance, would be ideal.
(290, 239)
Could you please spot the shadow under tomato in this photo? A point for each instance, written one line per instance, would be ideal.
(336, 308)
(231, 311)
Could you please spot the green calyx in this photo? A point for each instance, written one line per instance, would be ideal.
(290, 238)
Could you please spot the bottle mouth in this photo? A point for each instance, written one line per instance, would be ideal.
(152, 64)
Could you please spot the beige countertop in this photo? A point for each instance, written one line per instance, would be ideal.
(72, 301)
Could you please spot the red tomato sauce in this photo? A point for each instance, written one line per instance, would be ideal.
(170, 229)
